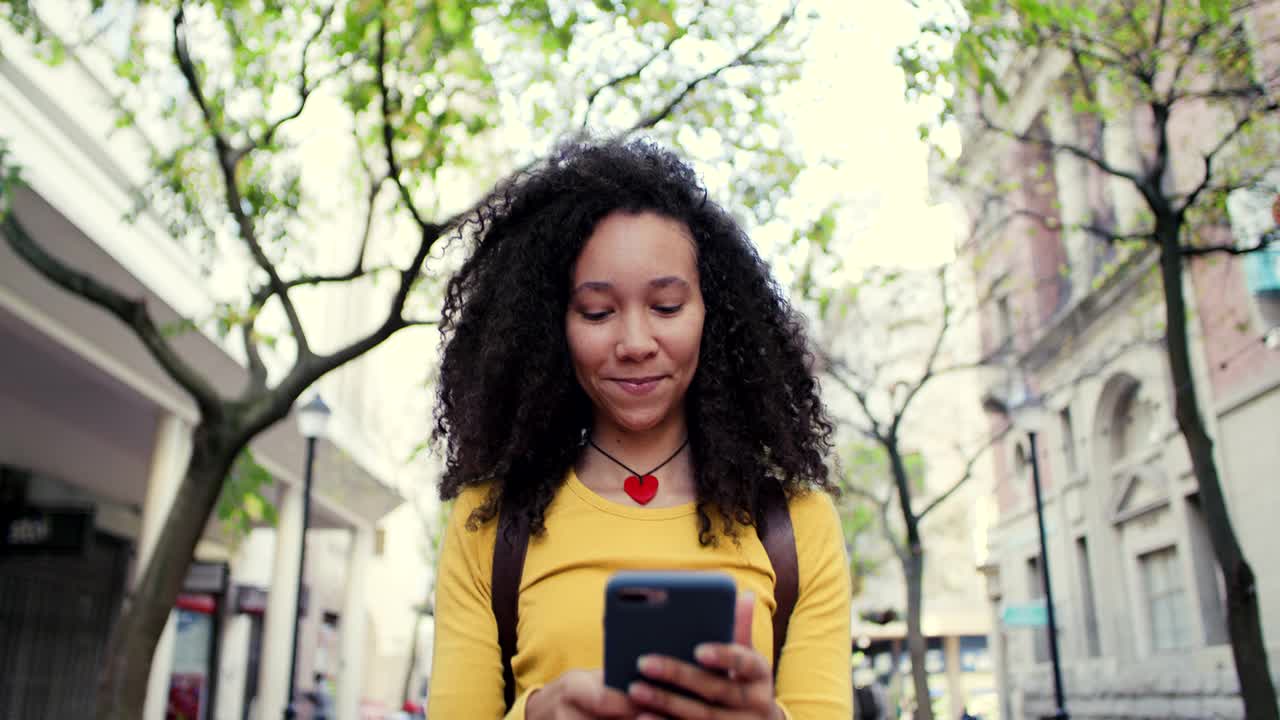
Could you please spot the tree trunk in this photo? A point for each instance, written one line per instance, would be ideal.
(1243, 622)
(913, 568)
(122, 682)
(912, 557)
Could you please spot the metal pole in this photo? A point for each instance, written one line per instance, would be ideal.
(291, 710)
(1059, 702)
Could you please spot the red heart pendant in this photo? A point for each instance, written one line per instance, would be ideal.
(642, 489)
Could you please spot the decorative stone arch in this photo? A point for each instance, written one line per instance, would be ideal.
(1119, 389)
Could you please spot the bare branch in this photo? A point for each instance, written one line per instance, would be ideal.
(1056, 147)
(1050, 222)
(634, 74)
(865, 494)
(932, 358)
(745, 58)
(838, 371)
(257, 368)
(966, 475)
(1239, 127)
(227, 161)
(133, 313)
(388, 135)
(304, 88)
(1264, 242)
(1193, 43)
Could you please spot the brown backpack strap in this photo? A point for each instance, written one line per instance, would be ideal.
(779, 540)
(504, 588)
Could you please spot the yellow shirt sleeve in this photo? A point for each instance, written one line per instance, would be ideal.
(466, 663)
(814, 681)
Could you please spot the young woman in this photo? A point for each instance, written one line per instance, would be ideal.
(622, 374)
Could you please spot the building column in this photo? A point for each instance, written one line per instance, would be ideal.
(352, 627)
(955, 684)
(249, 568)
(282, 598)
(996, 645)
(169, 458)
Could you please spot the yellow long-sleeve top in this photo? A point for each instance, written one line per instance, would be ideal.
(561, 604)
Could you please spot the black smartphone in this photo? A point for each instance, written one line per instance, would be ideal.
(663, 613)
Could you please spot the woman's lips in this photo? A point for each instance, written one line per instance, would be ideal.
(638, 386)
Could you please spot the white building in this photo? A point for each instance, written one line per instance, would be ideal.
(92, 430)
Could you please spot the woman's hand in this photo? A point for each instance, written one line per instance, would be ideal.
(578, 695)
(743, 692)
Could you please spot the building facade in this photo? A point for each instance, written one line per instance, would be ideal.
(1137, 592)
(94, 438)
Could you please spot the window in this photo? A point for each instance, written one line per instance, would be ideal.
(1093, 647)
(1068, 440)
(1208, 578)
(1167, 609)
(1254, 213)
(1130, 424)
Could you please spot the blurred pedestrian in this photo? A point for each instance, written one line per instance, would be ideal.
(622, 377)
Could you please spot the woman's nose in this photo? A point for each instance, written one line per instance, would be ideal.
(637, 341)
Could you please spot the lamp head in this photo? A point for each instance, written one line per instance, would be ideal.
(313, 418)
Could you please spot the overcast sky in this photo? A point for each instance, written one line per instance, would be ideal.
(849, 105)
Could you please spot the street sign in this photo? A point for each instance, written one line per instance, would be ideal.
(1032, 614)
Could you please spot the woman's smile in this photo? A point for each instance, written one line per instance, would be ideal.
(639, 386)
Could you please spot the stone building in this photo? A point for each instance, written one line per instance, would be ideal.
(1137, 593)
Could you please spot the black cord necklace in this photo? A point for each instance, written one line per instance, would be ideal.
(642, 487)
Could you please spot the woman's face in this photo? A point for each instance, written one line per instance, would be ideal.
(634, 321)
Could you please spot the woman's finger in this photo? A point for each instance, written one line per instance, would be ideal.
(655, 701)
(712, 687)
(742, 661)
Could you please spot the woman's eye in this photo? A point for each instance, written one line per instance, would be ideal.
(595, 316)
(667, 309)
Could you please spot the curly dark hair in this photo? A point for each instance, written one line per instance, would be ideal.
(509, 405)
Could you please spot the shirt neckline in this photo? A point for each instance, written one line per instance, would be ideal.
(592, 498)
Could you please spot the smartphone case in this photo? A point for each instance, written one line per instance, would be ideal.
(663, 613)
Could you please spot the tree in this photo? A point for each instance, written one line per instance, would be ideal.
(431, 91)
(887, 345)
(1163, 65)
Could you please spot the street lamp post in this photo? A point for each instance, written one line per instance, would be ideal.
(1022, 408)
(1059, 702)
(313, 419)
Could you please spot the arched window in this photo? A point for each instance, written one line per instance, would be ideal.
(1130, 424)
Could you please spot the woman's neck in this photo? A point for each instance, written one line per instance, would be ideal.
(642, 452)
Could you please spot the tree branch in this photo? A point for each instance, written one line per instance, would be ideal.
(1226, 139)
(634, 74)
(1057, 147)
(836, 370)
(1264, 242)
(388, 135)
(227, 160)
(133, 313)
(928, 373)
(964, 477)
(304, 89)
(743, 59)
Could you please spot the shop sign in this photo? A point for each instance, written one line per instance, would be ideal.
(35, 530)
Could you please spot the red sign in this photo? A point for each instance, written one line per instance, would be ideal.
(186, 697)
